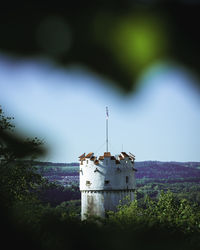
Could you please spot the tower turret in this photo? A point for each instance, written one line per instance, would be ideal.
(104, 181)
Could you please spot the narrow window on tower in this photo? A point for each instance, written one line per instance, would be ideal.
(88, 183)
(107, 182)
(126, 179)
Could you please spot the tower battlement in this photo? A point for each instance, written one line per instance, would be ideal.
(107, 172)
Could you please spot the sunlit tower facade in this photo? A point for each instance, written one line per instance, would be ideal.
(105, 180)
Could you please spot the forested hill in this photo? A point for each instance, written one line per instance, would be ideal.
(195, 165)
(53, 164)
(146, 170)
(182, 178)
(167, 170)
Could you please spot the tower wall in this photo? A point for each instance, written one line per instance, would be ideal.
(97, 203)
(104, 182)
(107, 175)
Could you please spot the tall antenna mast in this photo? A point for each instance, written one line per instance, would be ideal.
(107, 129)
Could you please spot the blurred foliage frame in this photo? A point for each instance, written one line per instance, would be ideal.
(108, 38)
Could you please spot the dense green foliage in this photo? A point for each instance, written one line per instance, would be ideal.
(171, 222)
(163, 224)
(167, 211)
(187, 190)
(18, 178)
(55, 194)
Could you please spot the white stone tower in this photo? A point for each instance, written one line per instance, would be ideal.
(105, 181)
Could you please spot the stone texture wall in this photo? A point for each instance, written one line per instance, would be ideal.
(97, 203)
(107, 175)
(105, 182)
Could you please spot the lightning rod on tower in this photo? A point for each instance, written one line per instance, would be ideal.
(107, 129)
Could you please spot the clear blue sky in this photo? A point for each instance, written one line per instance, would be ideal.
(66, 109)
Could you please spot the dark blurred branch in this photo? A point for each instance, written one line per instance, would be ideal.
(81, 34)
(14, 147)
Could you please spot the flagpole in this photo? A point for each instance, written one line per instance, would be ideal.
(106, 129)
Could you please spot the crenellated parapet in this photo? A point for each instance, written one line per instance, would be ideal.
(123, 156)
(107, 172)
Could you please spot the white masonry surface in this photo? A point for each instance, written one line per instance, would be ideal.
(104, 182)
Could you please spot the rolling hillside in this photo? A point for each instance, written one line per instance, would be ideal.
(68, 173)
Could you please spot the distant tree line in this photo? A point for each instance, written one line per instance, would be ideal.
(56, 164)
